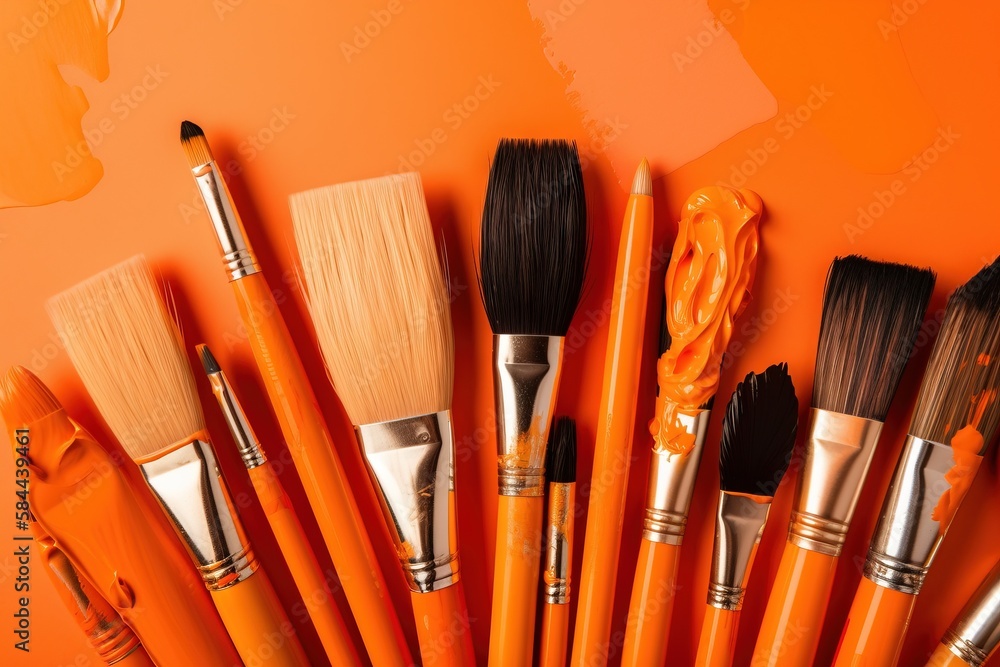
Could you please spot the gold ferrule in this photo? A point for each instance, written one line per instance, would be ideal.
(671, 482)
(410, 462)
(559, 543)
(526, 373)
(247, 443)
(739, 523)
(838, 454)
(908, 535)
(976, 634)
(237, 255)
(187, 483)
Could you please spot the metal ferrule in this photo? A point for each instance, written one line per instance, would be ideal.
(526, 373)
(237, 254)
(671, 483)
(410, 462)
(247, 443)
(907, 537)
(739, 523)
(838, 454)
(187, 483)
(559, 543)
(976, 633)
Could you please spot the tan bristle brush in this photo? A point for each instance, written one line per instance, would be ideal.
(127, 349)
(379, 303)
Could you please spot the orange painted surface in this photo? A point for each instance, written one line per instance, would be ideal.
(294, 99)
(442, 620)
(652, 605)
(718, 638)
(876, 626)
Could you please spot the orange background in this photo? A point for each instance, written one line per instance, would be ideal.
(894, 75)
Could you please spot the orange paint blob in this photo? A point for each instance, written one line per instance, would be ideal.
(967, 447)
(47, 158)
(707, 285)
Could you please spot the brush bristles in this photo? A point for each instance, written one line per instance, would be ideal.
(560, 464)
(24, 399)
(962, 378)
(208, 361)
(195, 145)
(127, 349)
(642, 184)
(871, 314)
(758, 432)
(377, 296)
(533, 239)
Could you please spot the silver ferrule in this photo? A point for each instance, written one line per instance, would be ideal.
(739, 523)
(526, 373)
(247, 443)
(410, 461)
(838, 454)
(559, 543)
(237, 254)
(671, 483)
(187, 483)
(913, 520)
(976, 633)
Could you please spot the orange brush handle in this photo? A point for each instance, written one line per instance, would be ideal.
(137, 658)
(322, 474)
(718, 638)
(443, 627)
(647, 629)
(793, 620)
(555, 635)
(515, 580)
(258, 625)
(942, 657)
(875, 628)
(305, 569)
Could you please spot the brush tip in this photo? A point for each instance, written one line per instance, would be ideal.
(561, 464)
(208, 361)
(24, 398)
(195, 145)
(642, 184)
(189, 130)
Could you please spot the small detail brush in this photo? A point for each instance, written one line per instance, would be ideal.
(302, 563)
(533, 252)
(758, 432)
(560, 468)
(871, 314)
(954, 423)
(974, 636)
(127, 349)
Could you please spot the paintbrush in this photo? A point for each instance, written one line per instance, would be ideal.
(533, 252)
(379, 303)
(560, 469)
(871, 314)
(953, 424)
(974, 636)
(127, 349)
(758, 432)
(323, 477)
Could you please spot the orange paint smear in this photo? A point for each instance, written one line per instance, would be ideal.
(47, 158)
(708, 284)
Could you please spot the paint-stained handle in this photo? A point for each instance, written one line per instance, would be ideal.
(793, 620)
(718, 638)
(942, 657)
(875, 627)
(648, 625)
(515, 580)
(258, 624)
(443, 627)
(555, 635)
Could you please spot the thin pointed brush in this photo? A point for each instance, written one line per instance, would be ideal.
(758, 432)
(954, 424)
(871, 314)
(127, 349)
(560, 468)
(379, 303)
(316, 461)
(532, 258)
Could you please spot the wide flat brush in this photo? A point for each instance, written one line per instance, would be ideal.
(953, 425)
(379, 303)
(758, 433)
(871, 314)
(305, 432)
(532, 258)
(127, 349)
